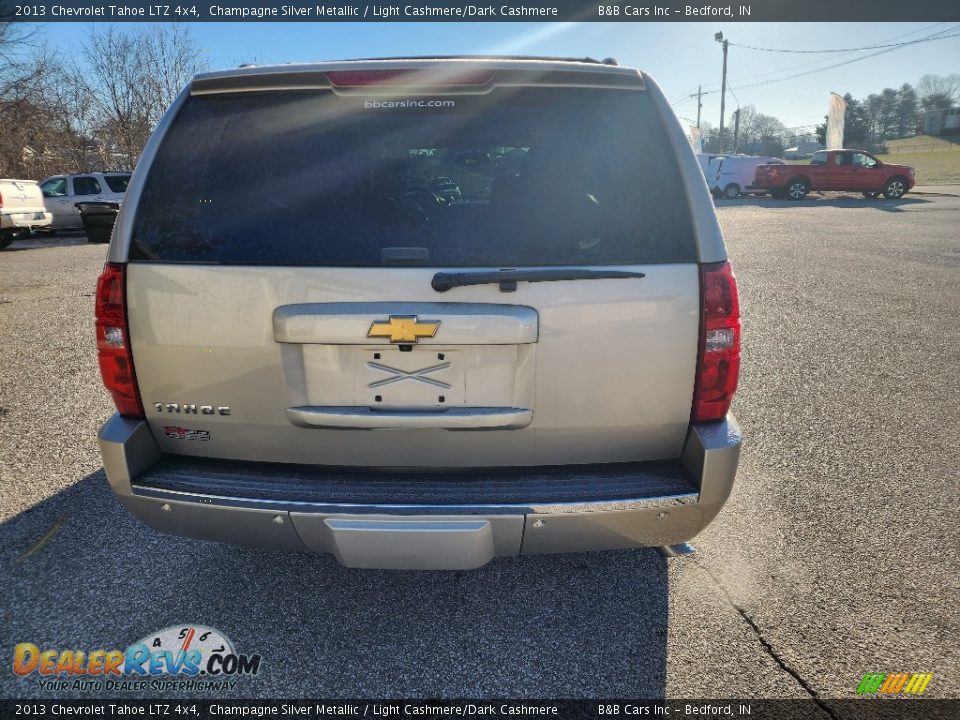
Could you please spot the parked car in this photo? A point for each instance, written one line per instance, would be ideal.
(414, 384)
(850, 170)
(21, 210)
(731, 176)
(61, 194)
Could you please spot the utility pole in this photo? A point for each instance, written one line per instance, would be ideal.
(736, 131)
(723, 87)
(699, 105)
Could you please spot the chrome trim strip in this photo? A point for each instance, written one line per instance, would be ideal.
(579, 506)
(365, 418)
(349, 323)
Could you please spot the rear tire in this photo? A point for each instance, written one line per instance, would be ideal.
(731, 191)
(797, 189)
(895, 188)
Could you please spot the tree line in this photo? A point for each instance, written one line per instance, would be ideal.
(95, 109)
(756, 134)
(868, 123)
(894, 112)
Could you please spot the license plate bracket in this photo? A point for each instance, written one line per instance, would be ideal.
(419, 378)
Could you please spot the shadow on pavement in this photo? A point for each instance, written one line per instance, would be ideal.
(582, 625)
(842, 200)
(44, 240)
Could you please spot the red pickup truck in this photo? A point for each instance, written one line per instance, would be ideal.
(854, 170)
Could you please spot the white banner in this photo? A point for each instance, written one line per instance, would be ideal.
(835, 118)
(696, 140)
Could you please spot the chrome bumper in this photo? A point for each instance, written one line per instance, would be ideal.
(16, 220)
(460, 531)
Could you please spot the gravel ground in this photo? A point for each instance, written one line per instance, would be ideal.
(837, 554)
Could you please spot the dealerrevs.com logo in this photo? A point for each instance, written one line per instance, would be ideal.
(407, 103)
(188, 657)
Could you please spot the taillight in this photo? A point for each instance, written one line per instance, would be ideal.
(113, 340)
(718, 363)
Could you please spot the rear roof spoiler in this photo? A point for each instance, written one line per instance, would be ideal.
(426, 75)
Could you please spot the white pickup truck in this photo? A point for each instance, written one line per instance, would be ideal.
(21, 210)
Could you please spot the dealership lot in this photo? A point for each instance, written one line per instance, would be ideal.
(837, 555)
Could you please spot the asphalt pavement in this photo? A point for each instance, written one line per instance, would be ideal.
(838, 553)
(937, 190)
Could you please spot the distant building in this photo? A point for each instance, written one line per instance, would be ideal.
(941, 122)
(801, 151)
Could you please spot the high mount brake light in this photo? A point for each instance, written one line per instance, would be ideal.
(718, 361)
(425, 77)
(113, 340)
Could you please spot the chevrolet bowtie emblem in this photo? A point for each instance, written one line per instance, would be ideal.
(403, 329)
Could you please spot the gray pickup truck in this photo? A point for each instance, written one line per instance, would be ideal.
(310, 348)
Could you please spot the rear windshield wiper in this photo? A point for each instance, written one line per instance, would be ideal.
(508, 279)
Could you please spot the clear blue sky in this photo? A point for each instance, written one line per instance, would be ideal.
(678, 55)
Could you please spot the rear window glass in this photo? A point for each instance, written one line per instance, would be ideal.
(85, 186)
(117, 183)
(513, 178)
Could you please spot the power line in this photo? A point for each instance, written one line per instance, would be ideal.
(846, 62)
(843, 50)
(884, 48)
(823, 60)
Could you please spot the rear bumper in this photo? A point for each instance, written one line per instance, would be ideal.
(16, 220)
(404, 520)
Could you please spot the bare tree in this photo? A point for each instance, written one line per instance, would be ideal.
(24, 123)
(96, 110)
(173, 58)
(76, 113)
(16, 40)
(117, 76)
(134, 76)
(938, 92)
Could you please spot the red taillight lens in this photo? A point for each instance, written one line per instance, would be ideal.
(410, 77)
(113, 346)
(718, 364)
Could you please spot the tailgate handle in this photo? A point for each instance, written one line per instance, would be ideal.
(364, 418)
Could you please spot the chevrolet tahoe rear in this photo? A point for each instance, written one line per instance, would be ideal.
(312, 348)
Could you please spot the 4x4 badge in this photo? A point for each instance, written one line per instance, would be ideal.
(403, 328)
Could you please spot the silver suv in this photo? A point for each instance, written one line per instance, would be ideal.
(61, 193)
(310, 348)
